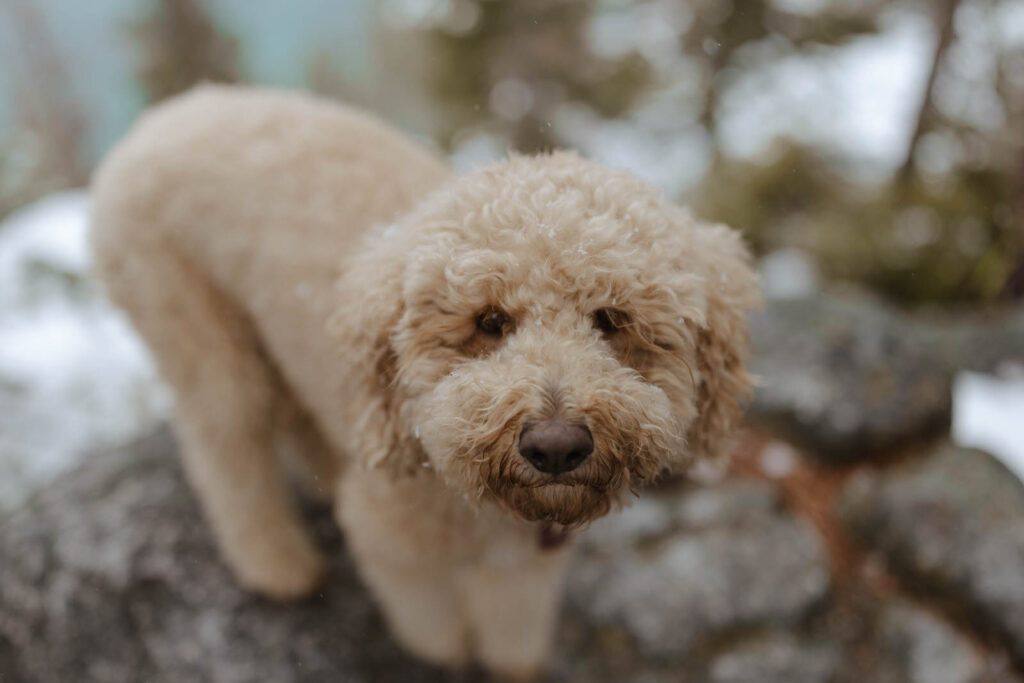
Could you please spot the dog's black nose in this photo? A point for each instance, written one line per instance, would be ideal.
(555, 447)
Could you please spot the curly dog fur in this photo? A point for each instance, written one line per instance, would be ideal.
(302, 272)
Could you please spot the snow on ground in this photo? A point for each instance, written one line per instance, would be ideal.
(987, 414)
(73, 375)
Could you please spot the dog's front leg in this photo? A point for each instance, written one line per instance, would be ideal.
(404, 544)
(421, 609)
(514, 610)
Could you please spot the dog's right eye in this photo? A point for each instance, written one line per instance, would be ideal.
(493, 322)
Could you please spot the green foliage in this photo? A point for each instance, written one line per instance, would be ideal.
(954, 239)
(41, 151)
(540, 44)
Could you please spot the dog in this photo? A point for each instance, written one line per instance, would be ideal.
(472, 367)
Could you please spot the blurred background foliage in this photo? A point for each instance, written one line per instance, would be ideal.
(180, 46)
(882, 138)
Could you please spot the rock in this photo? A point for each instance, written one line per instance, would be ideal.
(846, 379)
(952, 524)
(680, 509)
(111, 575)
(914, 646)
(776, 658)
(735, 501)
(980, 344)
(892, 639)
(732, 560)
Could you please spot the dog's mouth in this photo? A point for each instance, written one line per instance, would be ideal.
(571, 479)
(557, 500)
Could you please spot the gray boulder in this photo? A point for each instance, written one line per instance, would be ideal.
(952, 524)
(912, 645)
(846, 378)
(776, 657)
(977, 342)
(718, 561)
(111, 576)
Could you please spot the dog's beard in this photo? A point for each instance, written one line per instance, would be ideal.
(470, 432)
(569, 499)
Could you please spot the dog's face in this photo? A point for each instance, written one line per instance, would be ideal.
(555, 341)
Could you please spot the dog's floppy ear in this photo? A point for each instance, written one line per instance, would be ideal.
(722, 343)
(362, 326)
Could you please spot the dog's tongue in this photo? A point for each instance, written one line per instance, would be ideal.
(551, 536)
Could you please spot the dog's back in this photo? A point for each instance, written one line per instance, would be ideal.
(244, 180)
(219, 226)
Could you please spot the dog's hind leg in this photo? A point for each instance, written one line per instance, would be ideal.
(225, 392)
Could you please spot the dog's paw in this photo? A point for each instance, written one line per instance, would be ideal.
(514, 659)
(517, 673)
(448, 648)
(286, 576)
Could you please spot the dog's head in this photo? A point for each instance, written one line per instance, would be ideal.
(547, 334)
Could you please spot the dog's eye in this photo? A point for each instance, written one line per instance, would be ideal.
(610, 320)
(493, 322)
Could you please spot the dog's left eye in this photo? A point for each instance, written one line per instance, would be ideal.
(610, 320)
(493, 321)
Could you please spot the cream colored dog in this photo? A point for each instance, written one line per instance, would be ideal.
(474, 366)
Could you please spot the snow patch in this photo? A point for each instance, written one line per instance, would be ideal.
(74, 376)
(987, 414)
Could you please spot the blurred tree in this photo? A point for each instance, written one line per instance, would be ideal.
(42, 152)
(944, 20)
(948, 224)
(509, 65)
(719, 32)
(915, 242)
(181, 46)
(325, 78)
